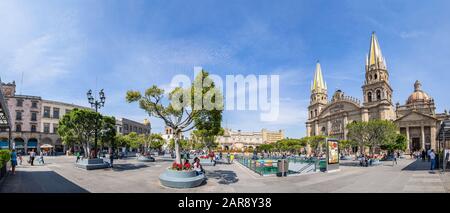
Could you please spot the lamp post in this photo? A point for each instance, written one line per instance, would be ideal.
(97, 104)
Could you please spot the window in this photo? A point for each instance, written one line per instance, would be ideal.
(140, 130)
(33, 128)
(369, 97)
(68, 111)
(315, 112)
(33, 116)
(375, 76)
(125, 126)
(19, 102)
(18, 115)
(18, 128)
(46, 128)
(55, 128)
(378, 95)
(46, 112)
(56, 113)
(34, 104)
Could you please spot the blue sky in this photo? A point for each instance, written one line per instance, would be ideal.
(62, 47)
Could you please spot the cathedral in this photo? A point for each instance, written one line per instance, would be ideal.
(416, 119)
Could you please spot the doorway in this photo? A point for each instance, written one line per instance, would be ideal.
(415, 145)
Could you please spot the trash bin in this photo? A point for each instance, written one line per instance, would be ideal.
(282, 165)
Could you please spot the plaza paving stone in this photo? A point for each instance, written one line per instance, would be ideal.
(60, 175)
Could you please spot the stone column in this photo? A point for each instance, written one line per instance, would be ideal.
(422, 135)
(316, 128)
(328, 127)
(345, 127)
(433, 137)
(407, 138)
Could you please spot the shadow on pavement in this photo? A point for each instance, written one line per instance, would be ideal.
(39, 182)
(128, 166)
(224, 176)
(418, 165)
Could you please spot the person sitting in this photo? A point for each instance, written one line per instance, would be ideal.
(197, 166)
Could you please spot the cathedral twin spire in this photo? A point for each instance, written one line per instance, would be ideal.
(318, 83)
(375, 56)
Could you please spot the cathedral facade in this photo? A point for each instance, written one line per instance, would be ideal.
(416, 119)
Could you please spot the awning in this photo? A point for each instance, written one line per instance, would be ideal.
(46, 146)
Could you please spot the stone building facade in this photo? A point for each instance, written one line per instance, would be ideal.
(34, 120)
(125, 126)
(416, 119)
(241, 140)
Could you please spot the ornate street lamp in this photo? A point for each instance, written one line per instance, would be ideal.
(97, 104)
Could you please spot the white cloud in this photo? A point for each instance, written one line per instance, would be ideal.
(411, 34)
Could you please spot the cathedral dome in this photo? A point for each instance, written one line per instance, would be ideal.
(418, 95)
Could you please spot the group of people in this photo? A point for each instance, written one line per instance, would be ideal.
(196, 165)
(32, 156)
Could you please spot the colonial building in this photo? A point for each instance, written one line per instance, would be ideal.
(34, 121)
(125, 126)
(239, 140)
(416, 119)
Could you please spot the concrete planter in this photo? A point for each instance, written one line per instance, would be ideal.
(145, 159)
(90, 164)
(181, 179)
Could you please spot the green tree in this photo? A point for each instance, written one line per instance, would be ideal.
(185, 107)
(265, 148)
(316, 143)
(156, 141)
(78, 127)
(400, 143)
(290, 145)
(107, 134)
(346, 145)
(371, 134)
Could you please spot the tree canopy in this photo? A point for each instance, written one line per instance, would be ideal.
(78, 127)
(372, 134)
(200, 105)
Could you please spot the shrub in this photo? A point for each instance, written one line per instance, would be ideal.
(179, 167)
(5, 156)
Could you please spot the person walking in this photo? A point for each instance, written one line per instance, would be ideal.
(78, 157)
(228, 157)
(394, 160)
(232, 158)
(32, 156)
(428, 155)
(41, 158)
(13, 161)
(20, 158)
(432, 159)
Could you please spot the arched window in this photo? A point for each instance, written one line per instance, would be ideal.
(369, 96)
(323, 131)
(378, 95)
(315, 112)
(312, 115)
(375, 76)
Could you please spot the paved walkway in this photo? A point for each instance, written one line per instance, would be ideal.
(60, 175)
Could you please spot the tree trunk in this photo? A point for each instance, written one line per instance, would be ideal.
(177, 149)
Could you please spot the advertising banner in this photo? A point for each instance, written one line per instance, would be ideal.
(333, 152)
